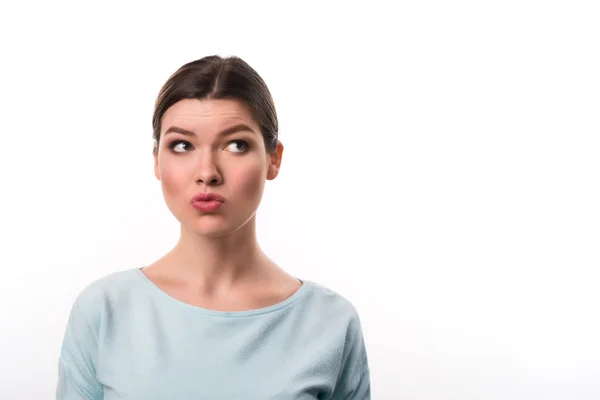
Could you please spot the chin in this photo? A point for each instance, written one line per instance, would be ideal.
(213, 226)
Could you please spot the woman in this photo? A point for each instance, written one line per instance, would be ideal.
(214, 318)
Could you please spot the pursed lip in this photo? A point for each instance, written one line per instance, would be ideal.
(208, 197)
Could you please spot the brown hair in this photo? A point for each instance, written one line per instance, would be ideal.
(215, 77)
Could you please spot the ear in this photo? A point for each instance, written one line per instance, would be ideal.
(275, 162)
(156, 169)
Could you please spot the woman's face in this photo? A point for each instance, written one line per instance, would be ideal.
(213, 146)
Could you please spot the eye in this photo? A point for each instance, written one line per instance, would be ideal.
(178, 146)
(238, 146)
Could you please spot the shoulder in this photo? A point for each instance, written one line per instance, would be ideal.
(93, 299)
(330, 298)
(339, 318)
(110, 285)
(332, 306)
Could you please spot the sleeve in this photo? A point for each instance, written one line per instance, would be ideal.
(77, 363)
(354, 381)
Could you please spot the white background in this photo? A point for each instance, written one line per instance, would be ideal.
(453, 148)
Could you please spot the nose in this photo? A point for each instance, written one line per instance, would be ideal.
(208, 173)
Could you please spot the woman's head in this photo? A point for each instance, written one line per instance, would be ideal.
(215, 77)
(215, 131)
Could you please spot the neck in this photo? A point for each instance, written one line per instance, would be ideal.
(218, 262)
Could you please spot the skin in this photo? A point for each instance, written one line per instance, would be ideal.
(217, 262)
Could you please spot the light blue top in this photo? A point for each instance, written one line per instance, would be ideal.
(126, 339)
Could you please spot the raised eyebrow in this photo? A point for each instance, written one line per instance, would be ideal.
(235, 129)
(226, 132)
(181, 131)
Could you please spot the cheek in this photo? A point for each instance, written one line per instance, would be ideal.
(249, 180)
(174, 178)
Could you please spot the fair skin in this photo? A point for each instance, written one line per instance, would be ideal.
(217, 263)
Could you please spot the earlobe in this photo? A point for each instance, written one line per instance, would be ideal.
(273, 172)
(156, 169)
(275, 160)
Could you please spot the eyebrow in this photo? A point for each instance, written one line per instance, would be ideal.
(225, 132)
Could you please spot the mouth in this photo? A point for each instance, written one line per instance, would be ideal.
(208, 197)
(207, 202)
(207, 206)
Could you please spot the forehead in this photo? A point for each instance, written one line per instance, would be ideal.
(206, 114)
